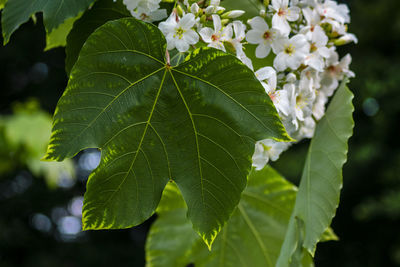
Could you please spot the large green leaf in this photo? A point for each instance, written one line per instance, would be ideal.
(320, 185)
(55, 12)
(195, 124)
(252, 236)
(101, 12)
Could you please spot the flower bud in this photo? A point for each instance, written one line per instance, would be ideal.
(266, 2)
(232, 14)
(195, 9)
(224, 21)
(345, 39)
(179, 10)
(220, 10)
(209, 10)
(203, 19)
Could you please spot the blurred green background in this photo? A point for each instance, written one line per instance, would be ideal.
(40, 218)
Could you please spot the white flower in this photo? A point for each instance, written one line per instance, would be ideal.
(179, 33)
(214, 8)
(146, 10)
(262, 35)
(291, 52)
(331, 9)
(240, 33)
(311, 76)
(283, 14)
(334, 72)
(217, 36)
(301, 102)
(267, 77)
(194, 9)
(266, 150)
(313, 19)
(306, 129)
(319, 105)
(318, 48)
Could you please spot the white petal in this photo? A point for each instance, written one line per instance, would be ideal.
(239, 29)
(262, 50)
(319, 37)
(227, 32)
(187, 21)
(181, 45)
(293, 13)
(281, 24)
(294, 61)
(158, 15)
(315, 62)
(280, 62)
(282, 102)
(206, 34)
(255, 37)
(217, 23)
(324, 52)
(191, 37)
(258, 23)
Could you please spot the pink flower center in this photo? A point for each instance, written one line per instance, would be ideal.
(281, 12)
(267, 35)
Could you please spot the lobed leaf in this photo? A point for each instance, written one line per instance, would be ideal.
(195, 124)
(321, 182)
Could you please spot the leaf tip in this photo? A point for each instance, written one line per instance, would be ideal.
(209, 238)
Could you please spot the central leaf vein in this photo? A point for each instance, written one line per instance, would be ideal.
(195, 134)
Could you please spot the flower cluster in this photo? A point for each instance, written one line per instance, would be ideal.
(146, 10)
(297, 40)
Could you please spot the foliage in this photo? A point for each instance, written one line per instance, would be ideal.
(16, 12)
(19, 148)
(194, 123)
(252, 237)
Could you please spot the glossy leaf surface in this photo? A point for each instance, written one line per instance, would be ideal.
(321, 182)
(195, 124)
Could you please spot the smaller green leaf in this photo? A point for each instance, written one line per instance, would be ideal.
(252, 236)
(321, 182)
(58, 37)
(55, 12)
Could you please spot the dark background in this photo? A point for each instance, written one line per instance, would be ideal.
(368, 218)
